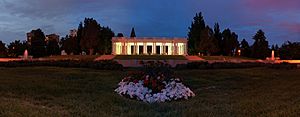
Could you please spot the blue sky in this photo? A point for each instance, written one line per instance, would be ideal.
(280, 19)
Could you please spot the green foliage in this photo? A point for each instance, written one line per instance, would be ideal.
(290, 51)
(38, 44)
(230, 42)
(260, 48)
(208, 43)
(105, 43)
(153, 74)
(52, 47)
(94, 38)
(218, 37)
(120, 35)
(132, 34)
(17, 48)
(104, 65)
(3, 49)
(90, 35)
(245, 49)
(78, 38)
(194, 34)
(70, 45)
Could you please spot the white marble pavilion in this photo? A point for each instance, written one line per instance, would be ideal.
(149, 46)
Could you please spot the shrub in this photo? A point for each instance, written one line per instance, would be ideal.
(105, 65)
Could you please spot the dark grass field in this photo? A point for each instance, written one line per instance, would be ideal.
(52, 91)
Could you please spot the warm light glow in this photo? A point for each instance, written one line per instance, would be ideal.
(153, 46)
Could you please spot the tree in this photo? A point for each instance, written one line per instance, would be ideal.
(260, 48)
(68, 44)
(290, 51)
(37, 47)
(3, 49)
(52, 47)
(194, 34)
(17, 48)
(230, 42)
(218, 37)
(120, 35)
(245, 48)
(105, 42)
(276, 50)
(78, 38)
(90, 35)
(132, 34)
(208, 42)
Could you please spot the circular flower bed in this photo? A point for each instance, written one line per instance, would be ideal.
(155, 83)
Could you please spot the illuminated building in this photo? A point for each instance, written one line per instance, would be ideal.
(149, 46)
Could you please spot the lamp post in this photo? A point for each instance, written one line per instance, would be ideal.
(239, 52)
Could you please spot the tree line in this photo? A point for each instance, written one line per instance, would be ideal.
(204, 40)
(93, 38)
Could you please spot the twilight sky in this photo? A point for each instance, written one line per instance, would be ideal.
(280, 19)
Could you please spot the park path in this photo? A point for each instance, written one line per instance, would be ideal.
(194, 58)
(105, 57)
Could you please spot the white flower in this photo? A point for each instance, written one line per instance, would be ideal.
(172, 91)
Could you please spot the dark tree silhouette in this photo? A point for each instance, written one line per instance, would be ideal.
(208, 42)
(218, 36)
(290, 51)
(105, 42)
(52, 47)
(120, 35)
(132, 34)
(230, 42)
(194, 34)
(90, 35)
(78, 38)
(68, 44)
(276, 49)
(245, 48)
(38, 44)
(260, 48)
(17, 48)
(3, 49)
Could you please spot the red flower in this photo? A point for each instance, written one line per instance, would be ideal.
(135, 81)
(154, 84)
(146, 82)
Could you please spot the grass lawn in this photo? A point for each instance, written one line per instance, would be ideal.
(226, 58)
(150, 57)
(53, 91)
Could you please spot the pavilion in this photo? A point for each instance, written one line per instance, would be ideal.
(149, 46)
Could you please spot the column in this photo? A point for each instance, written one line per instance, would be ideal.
(145, 48)
(126, 53)
(175, 49)
(154, 48)
(123, 48)
(136, 48)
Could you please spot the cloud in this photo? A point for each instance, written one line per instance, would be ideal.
(151, 18)
(272, 4)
